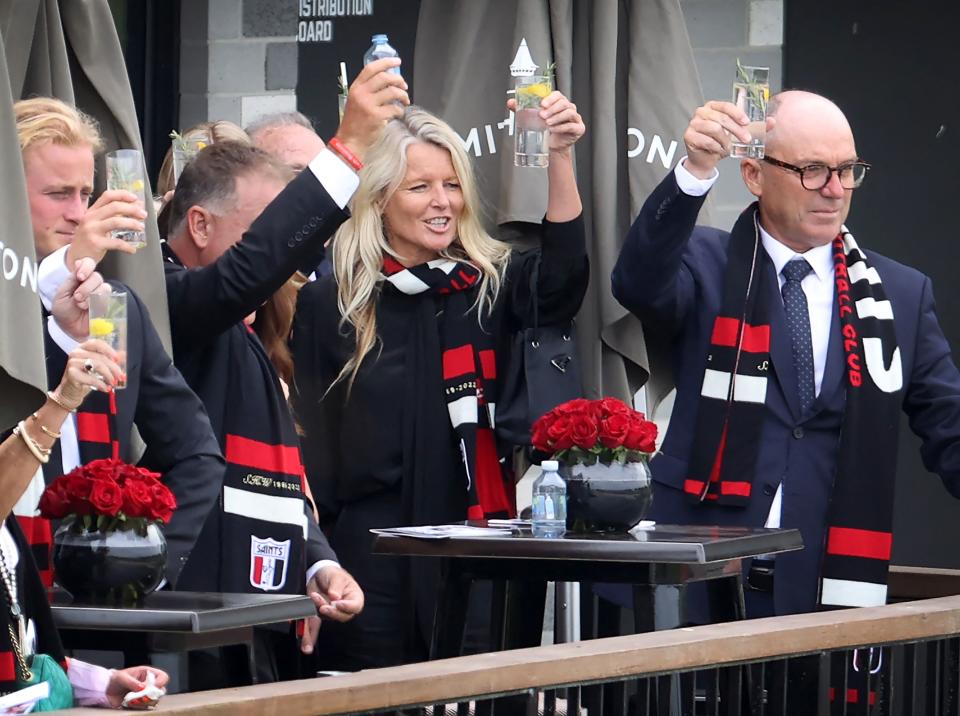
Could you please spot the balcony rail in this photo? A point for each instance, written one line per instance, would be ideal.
(656, 671)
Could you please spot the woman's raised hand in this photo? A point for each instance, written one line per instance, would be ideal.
(90, 366)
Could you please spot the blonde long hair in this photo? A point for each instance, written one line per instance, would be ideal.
(360, 244)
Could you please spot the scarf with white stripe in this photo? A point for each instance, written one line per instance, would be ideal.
(859, 534)
(469, 369)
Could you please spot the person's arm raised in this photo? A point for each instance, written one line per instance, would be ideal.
(375, 97)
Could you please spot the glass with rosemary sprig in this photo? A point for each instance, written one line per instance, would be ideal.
(125, 171)
(751, 92)
(530, 134)
(184, 150)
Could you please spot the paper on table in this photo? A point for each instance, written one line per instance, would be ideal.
(23, 701)
(443, 531)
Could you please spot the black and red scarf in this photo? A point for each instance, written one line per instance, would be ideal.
(731, 411)
(469, 377)
(96, 422)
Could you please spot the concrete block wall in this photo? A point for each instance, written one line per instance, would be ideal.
(720, 32)
(238, 60)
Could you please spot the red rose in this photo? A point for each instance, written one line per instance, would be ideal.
(612, 406)
(54, 504)
(164, 503)
(559, 435)
(642, 435)
(614, 429)
(76, 492)
(106, 497)
(104, 469)
(575, 406)
(539, 437)
(137, 498)
(584, 431)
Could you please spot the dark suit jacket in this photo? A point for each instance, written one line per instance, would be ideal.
(670, 272)
(208, 305)
(172, 422)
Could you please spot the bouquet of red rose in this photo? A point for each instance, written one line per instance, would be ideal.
(108, 495)
(590, 431)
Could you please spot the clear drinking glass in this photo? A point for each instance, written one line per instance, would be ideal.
(108, 323)
(184, 151)
(530, 133)
(125, 171)
(751, 91)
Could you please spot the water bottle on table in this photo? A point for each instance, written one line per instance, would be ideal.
(380, 49)
(549, 502)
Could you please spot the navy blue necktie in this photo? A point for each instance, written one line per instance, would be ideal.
(798, 320)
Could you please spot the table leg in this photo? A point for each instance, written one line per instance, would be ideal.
(451, 616)
(522, 627)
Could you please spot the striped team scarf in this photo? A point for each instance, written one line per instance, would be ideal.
(859, 534)
(96, 439)
(469, 376)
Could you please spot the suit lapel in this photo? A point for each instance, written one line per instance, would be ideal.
(781, 353)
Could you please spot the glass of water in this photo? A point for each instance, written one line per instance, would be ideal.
(751, 91)
(530, 133)
(108, 323)
(125, 171)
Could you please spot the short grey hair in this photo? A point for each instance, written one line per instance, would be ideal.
(279, 119)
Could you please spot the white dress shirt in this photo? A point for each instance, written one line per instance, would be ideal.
(817, 286)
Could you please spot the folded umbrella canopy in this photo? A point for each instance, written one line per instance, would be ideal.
(69, 50)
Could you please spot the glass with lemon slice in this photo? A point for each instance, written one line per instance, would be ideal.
(125, 171)
(185, 149)
(530, 133)
(108, 323)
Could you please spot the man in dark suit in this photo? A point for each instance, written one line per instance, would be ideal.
(238, 231)
(794, 354)
(58, 144)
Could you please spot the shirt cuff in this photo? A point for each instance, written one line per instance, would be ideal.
(52, 272)
(691, 185)
(89, 682)
(337, 178)
(318, 565)
(63, 339)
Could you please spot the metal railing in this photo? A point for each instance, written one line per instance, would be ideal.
(781, 665)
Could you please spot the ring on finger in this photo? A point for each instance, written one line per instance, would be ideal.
(88, 365)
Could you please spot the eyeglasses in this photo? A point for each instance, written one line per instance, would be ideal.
(816, 176)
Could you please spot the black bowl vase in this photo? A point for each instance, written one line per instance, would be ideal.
(607, 498)
(117, 568)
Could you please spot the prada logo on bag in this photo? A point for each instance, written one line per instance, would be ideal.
(561, 362)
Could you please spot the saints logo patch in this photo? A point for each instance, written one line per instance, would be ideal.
(268, 563)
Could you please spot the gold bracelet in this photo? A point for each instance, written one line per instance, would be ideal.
(59, 401)
(42, 456)
(46, 431)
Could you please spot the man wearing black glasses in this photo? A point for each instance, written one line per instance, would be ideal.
(795, 352)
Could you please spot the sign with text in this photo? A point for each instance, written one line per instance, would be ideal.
(333, 31)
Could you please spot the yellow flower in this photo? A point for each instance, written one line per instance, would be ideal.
(137, 185)
(101, 327)
(201, 145)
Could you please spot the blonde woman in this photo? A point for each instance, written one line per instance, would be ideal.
(396, 358)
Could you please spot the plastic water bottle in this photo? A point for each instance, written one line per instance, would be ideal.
(549, 502)
(380, 49)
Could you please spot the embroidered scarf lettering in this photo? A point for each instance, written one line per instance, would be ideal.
(731, 412)
(469, 377)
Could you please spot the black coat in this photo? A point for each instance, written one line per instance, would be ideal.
(224, 362)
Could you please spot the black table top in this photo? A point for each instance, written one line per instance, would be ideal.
(661, 543)
(182, 612)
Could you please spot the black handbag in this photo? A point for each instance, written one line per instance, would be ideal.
(542, 371)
